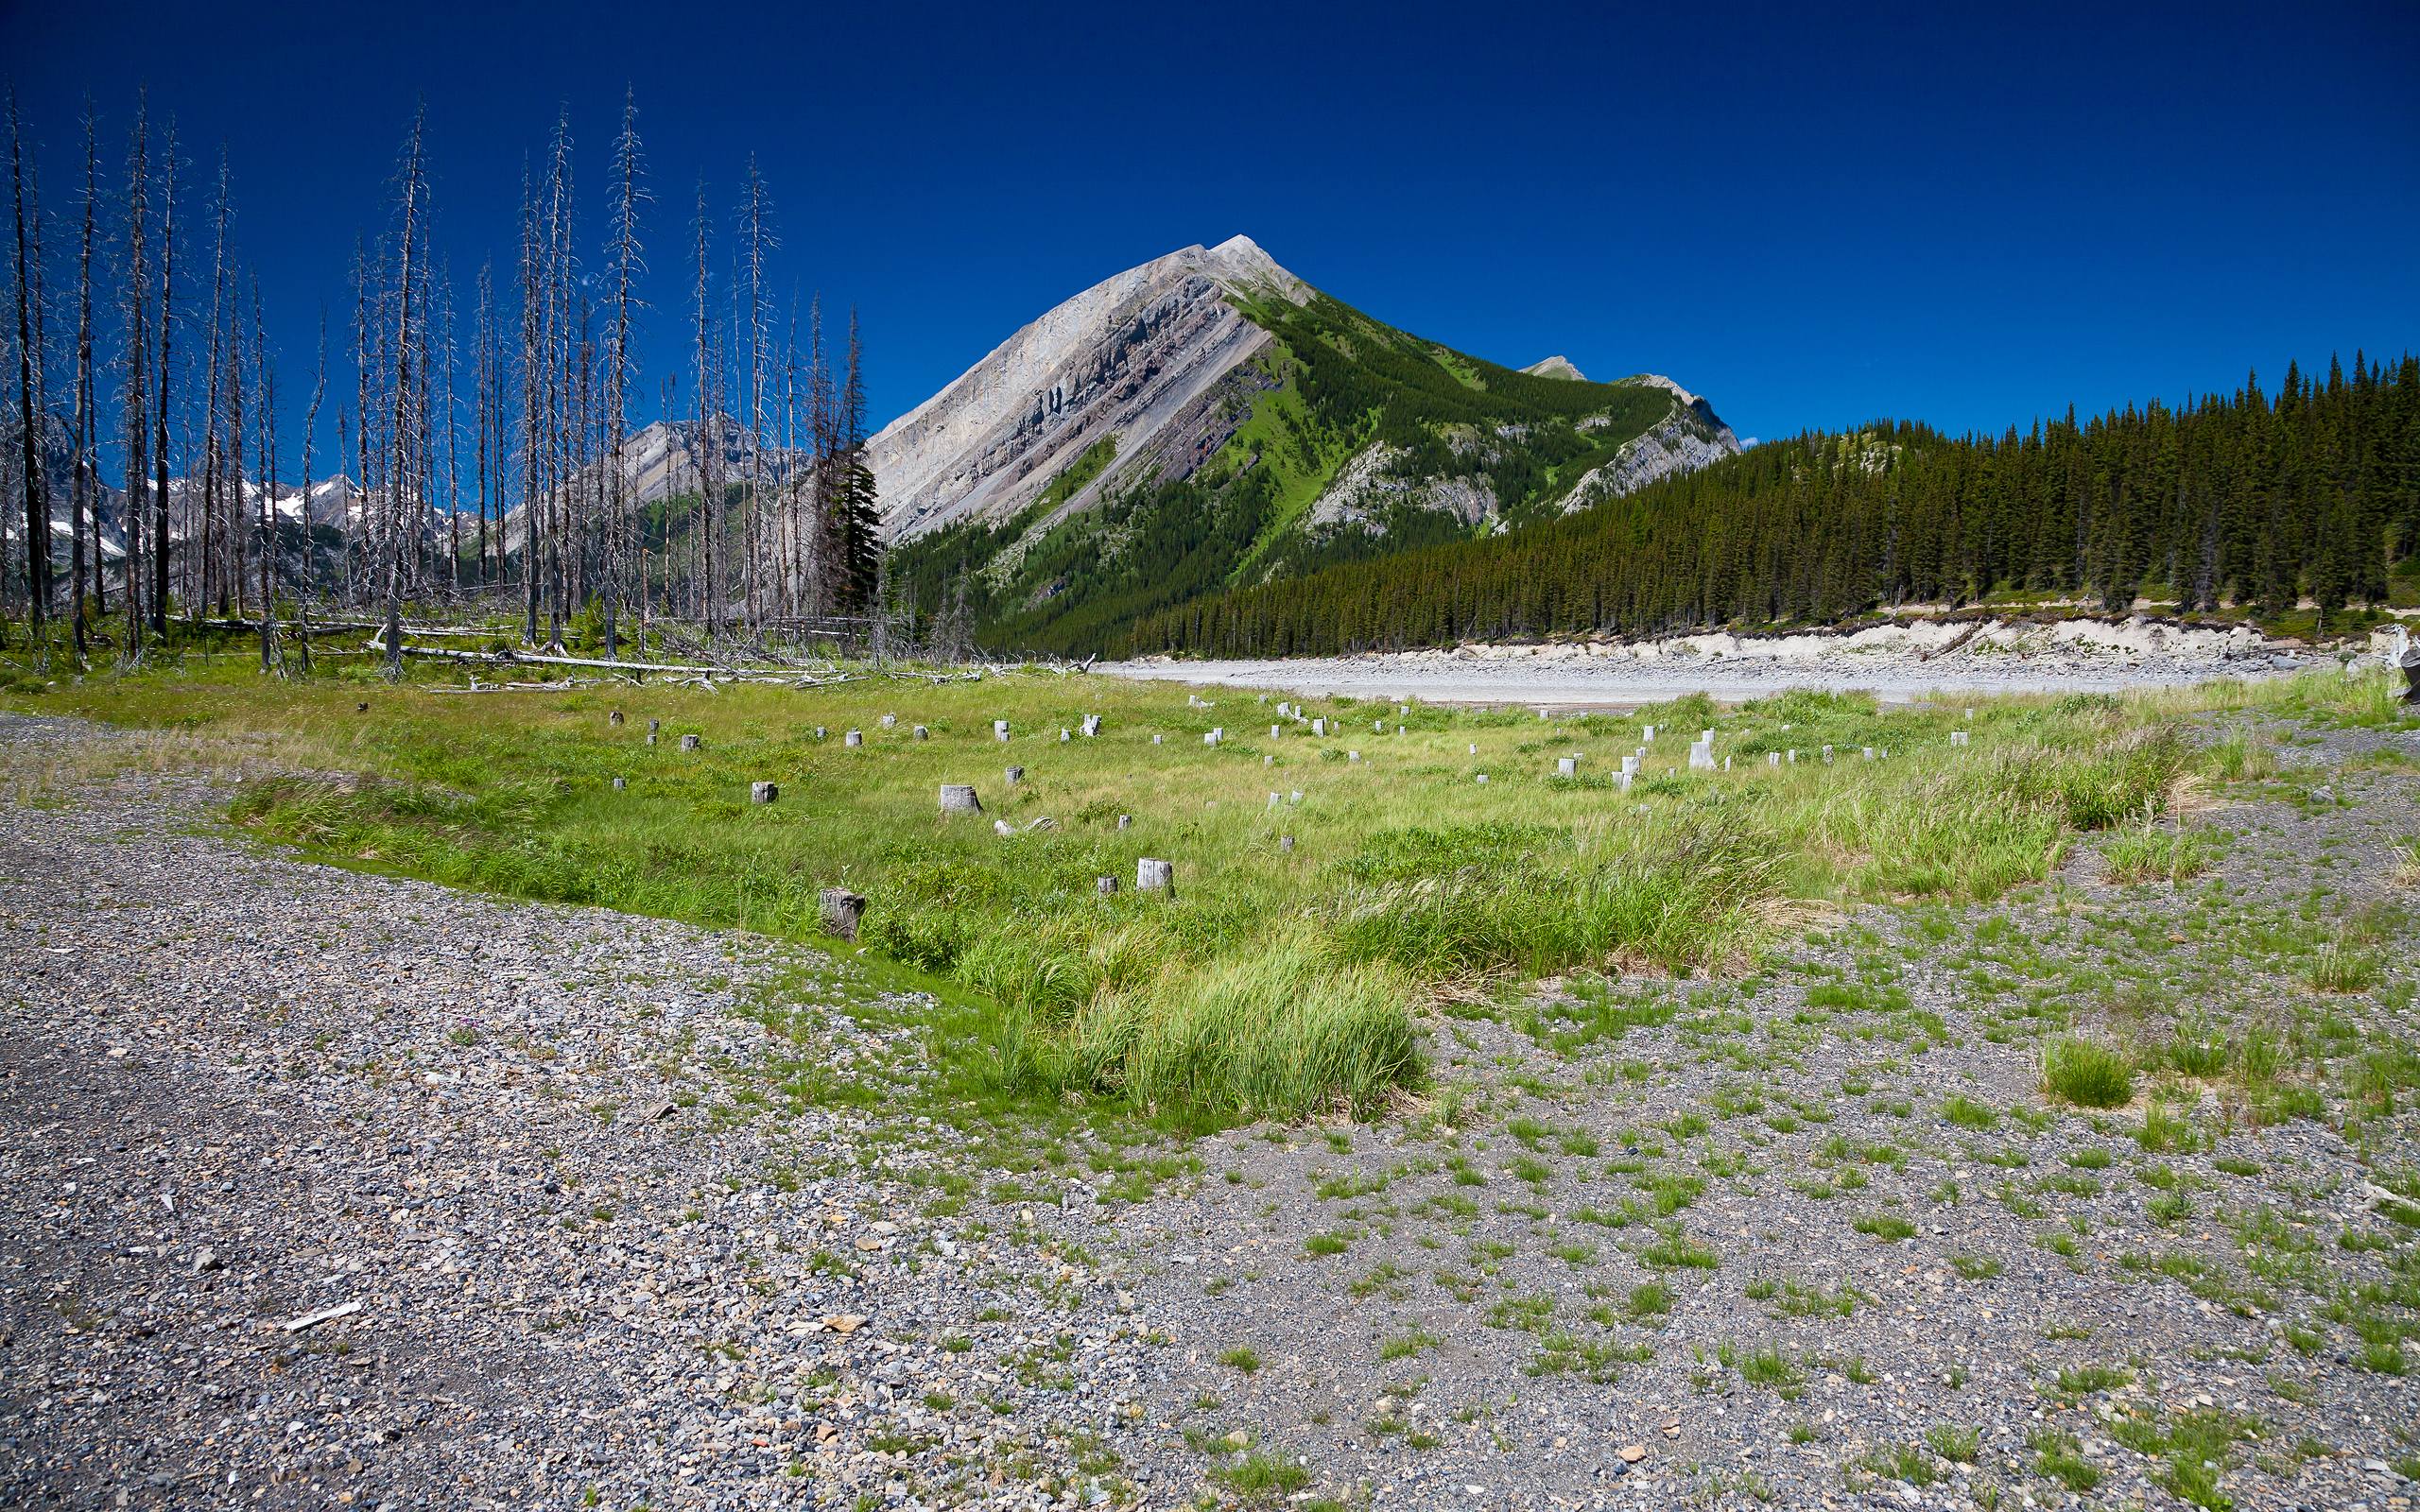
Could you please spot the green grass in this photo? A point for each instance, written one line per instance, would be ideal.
(1273, 983)
(2086, 1073)
(2148, 852)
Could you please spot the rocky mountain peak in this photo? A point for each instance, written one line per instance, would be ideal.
(1557, 365)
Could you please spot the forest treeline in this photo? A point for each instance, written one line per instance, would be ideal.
(2246, 500)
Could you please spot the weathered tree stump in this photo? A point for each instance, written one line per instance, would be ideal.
(763, 792)
(855, 737)
(1566, 767)
(1125, 821)
(1286, 845)
(922, 734)
(999, 730)
(1003, 829)
(1014, 774)
(959, 797)
(1155, 876)
(689, 741)
(888, 721)
(614, 718)
(841, 911)
(1106, 886)
(620, 783)
(655, 727)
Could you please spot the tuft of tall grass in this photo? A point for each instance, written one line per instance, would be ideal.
(2148, 852)
(1677, 893)
(2086, 1073)
(1282, 1033)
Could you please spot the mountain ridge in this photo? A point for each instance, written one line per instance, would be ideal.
(1207, 419)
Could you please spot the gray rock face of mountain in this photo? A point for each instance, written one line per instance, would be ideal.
(1694, 437)
(1141, 356)
(1557, 365)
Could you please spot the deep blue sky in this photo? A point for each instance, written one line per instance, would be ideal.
(1812, 218)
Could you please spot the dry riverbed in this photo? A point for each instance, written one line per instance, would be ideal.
(1898, 663)
(326, 1188)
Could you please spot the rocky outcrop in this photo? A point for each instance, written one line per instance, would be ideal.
(1134, 356)
(1557, 365)
(1692, 438)
(1368, 485)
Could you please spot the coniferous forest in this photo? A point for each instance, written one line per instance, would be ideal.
(2257, 501)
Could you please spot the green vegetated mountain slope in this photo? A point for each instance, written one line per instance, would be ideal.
(1336, 438)
(2301, 508)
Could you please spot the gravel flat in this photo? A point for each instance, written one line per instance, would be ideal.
(1567, 678)
(243, 1091)
(595, 1209)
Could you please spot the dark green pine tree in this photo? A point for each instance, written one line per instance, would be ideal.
(856, 526)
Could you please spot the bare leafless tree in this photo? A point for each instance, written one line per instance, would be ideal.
(83, 477)
(30, 366)
(138, 403)
(166, 324)
(411, 188)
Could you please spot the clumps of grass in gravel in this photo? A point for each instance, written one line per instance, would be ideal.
(2086, 1073)
(1767, 1367)
(1968, 1113)
(2196, 1446)
(2058, 1457)
(1673, 1249)
(1409, 1345)
(1888, 1227)
(2148, 851)
(1262, 1479)
(2343, 966)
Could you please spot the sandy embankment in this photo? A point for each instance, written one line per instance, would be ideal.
(1898, 663)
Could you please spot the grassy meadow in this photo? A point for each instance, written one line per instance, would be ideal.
(1275, 981)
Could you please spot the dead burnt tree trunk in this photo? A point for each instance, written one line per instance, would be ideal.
(167, 323)
(28, 395)
(403, 358)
